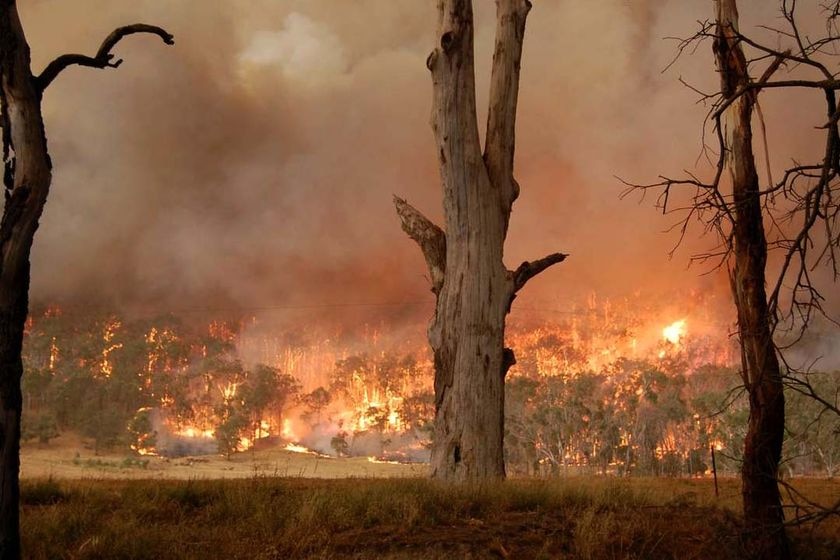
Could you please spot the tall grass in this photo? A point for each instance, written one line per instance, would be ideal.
(269, 518)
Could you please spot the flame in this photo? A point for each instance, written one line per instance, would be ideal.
(193, 432)
(229, 391)
(145, 451)
(675, 332)
(106, 367)
(376, 399)
(294, 448)
(382, 461)
(372, 404)
(53, 354)
(244, 444)
(288, 432)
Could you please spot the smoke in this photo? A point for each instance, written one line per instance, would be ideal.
(253, 163)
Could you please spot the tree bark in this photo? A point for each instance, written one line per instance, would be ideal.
(27, 180)
(474, 289)
(763, 513)
(27, 177)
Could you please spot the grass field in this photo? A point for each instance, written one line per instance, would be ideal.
(275, 504)
(278, 518)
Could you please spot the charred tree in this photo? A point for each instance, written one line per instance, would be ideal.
(761, 372)
(473, 288)
(27, 177)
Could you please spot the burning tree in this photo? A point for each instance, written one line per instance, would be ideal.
(474, 289)
(27, 179)
(801, 210)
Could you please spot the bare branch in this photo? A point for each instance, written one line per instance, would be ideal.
(431, 238)
(103, 58)
(528, 270)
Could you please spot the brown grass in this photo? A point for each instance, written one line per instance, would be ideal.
(263, 517)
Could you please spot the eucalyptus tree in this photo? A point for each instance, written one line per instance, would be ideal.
(473, 287)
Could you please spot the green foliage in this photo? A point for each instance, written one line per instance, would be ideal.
(315, 402)
(266, 393)
(635, 417)
(229, 430)
(813, 442)
(41, 427)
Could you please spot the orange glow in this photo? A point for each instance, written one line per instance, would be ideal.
(145, 451)
(675, 332)
(288, 432)
(106, 367)
(192, 432)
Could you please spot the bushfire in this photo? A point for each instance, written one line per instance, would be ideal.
(609, 385)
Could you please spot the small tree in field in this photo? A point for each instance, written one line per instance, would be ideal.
(473, 287)
(27, 178)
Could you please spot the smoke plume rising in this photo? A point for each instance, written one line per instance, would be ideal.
(252, 165)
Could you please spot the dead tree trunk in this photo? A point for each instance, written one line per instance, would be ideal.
(27, 177)
(473, 287)
(762, 376)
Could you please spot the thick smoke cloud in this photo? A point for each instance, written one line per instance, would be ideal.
(253, 163)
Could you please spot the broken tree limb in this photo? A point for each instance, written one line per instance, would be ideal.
(430, 237)
(103, 58)
(528, 270)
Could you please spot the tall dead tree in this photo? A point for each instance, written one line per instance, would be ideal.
(474, 289)
(760, 365)
(801, 210)
(27, 177)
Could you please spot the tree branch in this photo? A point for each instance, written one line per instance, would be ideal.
(431, 238)
(103, 58)
(528, 270)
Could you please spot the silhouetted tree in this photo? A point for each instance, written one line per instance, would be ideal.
(27, 178)
(802, 210)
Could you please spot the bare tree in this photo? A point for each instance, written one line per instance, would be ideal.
(474, 289)
(760, 365)
(796, 216)
(27, 178)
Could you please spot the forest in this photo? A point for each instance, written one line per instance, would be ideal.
(400, 279)
(588, 396)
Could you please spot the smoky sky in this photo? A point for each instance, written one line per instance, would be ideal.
(254, 162)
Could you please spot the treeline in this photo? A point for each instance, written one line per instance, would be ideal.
(116, 381)
(176, 388)
(660, 415)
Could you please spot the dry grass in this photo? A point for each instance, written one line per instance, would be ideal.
(70, 457)
(274, 518)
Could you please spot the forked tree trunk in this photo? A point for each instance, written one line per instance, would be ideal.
(27, 176)
(474, 289)
(763, 516)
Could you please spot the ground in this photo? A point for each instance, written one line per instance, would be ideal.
(270, 507)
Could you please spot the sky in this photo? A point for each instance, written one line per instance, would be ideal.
(253, 164)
